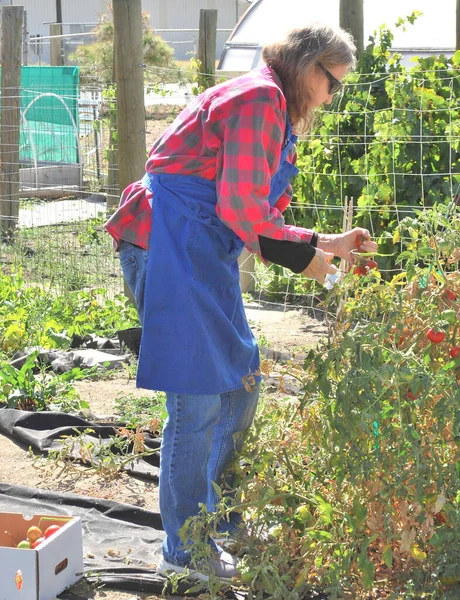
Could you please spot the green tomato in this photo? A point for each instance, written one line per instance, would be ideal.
(406, 374)
(450, 316)
(276, 531)
(446, 246)
(303, 514)
(24, 544)
(268, 492)
(258, 466)
(248, 576)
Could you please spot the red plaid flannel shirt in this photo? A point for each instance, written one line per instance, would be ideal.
(231, 134)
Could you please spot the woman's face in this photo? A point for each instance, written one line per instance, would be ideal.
(322, 81)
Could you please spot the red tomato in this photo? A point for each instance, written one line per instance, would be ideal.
(411, 396)
(51, 529)
(360, 239)
(435, 336)
(449, 294)
(360, 271)
(371, 264)
(454, 351)
(37, 542)
(439, 518)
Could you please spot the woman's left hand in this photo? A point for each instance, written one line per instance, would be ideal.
(342, 244)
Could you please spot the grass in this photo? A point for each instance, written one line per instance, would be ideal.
(68, 257)
(139, 411)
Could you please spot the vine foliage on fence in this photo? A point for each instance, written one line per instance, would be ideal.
(391, 142)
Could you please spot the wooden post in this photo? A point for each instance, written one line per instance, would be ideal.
(352, 19)
(129, 77)
(12, 17)
(207, 46)
(56, 58)
(457, 20)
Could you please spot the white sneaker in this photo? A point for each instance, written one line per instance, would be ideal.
(228, 540)
(224, 568)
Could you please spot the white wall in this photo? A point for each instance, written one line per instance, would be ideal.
(165, 14)
(185, 14)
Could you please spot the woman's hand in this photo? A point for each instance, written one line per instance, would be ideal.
(320, 266)
(341, 244)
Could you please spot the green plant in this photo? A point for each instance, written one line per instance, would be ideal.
(31, 316)
(137, 411)
(98, 57)
(357, 481)
(94, 232)
(107, 458)
(25, 389)
(201, 78)
(390, 142)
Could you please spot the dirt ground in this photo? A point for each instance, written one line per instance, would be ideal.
(288, 332)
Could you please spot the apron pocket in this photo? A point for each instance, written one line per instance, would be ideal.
(214, 255)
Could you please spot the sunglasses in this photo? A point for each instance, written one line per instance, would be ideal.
(334, 84)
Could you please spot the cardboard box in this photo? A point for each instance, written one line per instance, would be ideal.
(44, 572)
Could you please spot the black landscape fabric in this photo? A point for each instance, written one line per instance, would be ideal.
(42, 431)
(121, 542)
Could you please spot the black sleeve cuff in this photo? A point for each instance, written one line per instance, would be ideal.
(295, 256)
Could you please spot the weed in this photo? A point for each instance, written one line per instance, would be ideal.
(25, 389)
(138, 411)
(108, 458)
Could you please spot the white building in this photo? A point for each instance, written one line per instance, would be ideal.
(171, 15)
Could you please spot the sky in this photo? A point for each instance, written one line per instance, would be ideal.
(435, 28)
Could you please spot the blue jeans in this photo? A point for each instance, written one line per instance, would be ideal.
(200, 437)
(133, 262)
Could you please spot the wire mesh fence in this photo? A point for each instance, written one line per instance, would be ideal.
(390, 157)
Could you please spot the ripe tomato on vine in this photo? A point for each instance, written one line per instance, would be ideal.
(454, 351)
(436, 337)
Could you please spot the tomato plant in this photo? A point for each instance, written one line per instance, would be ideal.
(361, 478)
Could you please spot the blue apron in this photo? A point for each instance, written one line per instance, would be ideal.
(195, 335)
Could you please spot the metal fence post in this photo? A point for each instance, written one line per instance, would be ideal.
(25, 41)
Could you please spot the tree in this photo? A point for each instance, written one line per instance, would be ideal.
(98, 57)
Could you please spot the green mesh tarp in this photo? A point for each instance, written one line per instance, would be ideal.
(49, 110)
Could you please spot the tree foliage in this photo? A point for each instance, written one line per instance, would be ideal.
(98, 57)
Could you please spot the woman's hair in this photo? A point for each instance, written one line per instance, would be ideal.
(293, 59)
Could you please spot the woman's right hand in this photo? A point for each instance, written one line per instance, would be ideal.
(320, 266)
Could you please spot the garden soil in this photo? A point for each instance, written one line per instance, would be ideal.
(284, 332)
